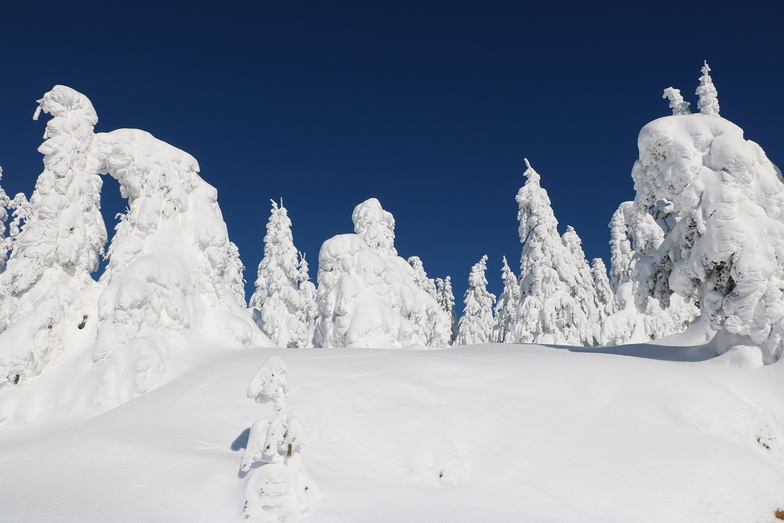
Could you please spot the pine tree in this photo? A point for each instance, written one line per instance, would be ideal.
(476, 324)
(558, 300)
(677, 104)
(506, 306)
(709, 101)
(282, 303)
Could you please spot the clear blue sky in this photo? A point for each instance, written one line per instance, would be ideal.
(428, 106)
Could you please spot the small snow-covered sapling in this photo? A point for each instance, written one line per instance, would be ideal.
(270, 383)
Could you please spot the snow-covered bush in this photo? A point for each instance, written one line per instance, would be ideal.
(476, 324)
(279, 487)
(724, 241)
(370, 297)
(558, 300)
(283, 299)
(44, 288)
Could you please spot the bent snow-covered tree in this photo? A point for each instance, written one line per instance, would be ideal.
(725, 249)
(370, 297)
(47, 280)
(172, 274)
(283, 299)
(557, 296)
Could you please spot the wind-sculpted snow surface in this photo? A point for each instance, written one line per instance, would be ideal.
(719, 201)
(172, 272)
(368, 296)
(45, 289)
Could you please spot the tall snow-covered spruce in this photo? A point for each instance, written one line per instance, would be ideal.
(723, 245)
(506, 306)
(284, 298)
(46, 288)
(368, 296)
(558, 301)
(476, 324)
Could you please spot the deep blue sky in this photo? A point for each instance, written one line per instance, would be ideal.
(428, 106)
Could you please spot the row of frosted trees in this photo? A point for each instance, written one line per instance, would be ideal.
(704, 237)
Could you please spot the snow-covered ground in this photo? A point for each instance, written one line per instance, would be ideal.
(479, 433)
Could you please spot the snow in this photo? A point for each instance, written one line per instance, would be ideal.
(480, 433)
(152, 395)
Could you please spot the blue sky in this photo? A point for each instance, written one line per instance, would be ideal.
(428, 106)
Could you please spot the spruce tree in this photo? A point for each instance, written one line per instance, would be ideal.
(708, 102)
(558, 302)
(476, 324)
(280, 299)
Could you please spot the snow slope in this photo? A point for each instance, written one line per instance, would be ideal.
(639, 433)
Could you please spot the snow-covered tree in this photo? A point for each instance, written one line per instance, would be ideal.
(446, 299)
(506, 306)
(370, 297)
(279, 486)
(726, 248)
(634, 234)
(558, 300)
(476, 324)
(677, 103)
(173, 274)
(52, 257)
(708, 102)
(283, 304)
(5, 204)
(605, 297)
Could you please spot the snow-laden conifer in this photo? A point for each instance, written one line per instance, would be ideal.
(476, 324)
(282, 302)
(5, 205)
(446, 299)
(605, 297)
(506, 306)
(558, 301)
(173, 274)
(370, 297)
(52, 257)
(279, 487)
(726, 248)
(708, 102)
(677, 103)
(640, 317)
